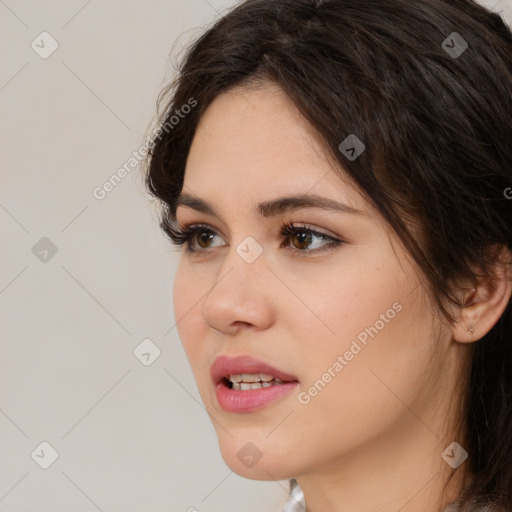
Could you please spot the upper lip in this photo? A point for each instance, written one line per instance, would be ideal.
(225, 365)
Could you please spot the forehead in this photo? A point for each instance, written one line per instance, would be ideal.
(254, 143)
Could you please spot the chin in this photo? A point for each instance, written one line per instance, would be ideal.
(255, 459)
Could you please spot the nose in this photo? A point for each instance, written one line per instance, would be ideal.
(240, 297)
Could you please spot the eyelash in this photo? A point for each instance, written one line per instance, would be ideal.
(183, 237)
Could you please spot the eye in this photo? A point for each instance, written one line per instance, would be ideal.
(197, 237)
(303, 236)
(203, 233)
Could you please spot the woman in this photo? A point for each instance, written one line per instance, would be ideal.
(339, 174)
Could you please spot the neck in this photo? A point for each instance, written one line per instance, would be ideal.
(388, 479)
(401, 470)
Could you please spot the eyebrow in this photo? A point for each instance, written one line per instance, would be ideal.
(274, 207)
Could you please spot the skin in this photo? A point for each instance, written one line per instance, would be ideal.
(372, 438)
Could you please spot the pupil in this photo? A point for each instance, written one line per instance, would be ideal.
(203, 237)
(304, 239)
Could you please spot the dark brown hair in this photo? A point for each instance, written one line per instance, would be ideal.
(437, 128)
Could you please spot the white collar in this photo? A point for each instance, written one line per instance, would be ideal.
(295, 502)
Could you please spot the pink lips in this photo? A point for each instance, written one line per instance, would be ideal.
(245, 401)
(224, 366)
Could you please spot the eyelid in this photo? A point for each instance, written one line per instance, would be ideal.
(183, 236)
(294, 225)
(311, 227)
(284, 221)
(201, 226)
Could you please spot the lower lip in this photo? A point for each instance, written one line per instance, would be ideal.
(233, 400)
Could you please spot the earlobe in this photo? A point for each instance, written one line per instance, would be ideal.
(485, 304)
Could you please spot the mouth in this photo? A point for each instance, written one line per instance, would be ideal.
(246, 381)
(244, 384)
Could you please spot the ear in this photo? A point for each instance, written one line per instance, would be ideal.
(485, 303)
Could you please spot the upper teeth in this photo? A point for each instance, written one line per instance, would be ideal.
(252, 377)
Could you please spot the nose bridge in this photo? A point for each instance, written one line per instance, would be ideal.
(238, 293)
(244, 261)
(241, 270)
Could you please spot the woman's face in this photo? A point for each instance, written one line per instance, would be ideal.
(349, 323)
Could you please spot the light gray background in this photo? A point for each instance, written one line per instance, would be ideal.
(129, 437)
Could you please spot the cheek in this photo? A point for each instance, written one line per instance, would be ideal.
(359, 380)
(340, 300)
(370, 336)
(187, 295)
